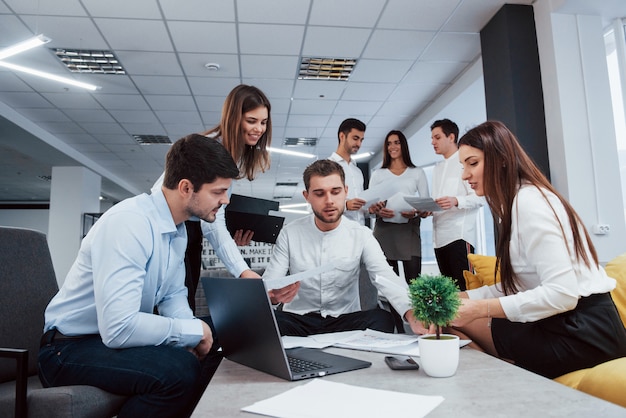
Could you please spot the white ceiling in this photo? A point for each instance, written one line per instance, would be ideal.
(408, 51)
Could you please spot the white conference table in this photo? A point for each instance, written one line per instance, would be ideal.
(482, 387)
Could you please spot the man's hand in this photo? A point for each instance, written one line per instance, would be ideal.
(386, 213)
(355, 204)
(284, 295)
(205, 344)
(447, 202)
(242, 238)
(249, 274)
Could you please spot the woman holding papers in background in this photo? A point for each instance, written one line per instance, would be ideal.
(245, 130)
(397, 223)
(552, 312)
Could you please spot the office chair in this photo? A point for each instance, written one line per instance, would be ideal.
(27, 283)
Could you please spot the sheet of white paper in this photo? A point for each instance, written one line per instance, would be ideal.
(382, 191)
(398, 204)
(280, 282)
(290, 341)
(423, 204)
(328, 399)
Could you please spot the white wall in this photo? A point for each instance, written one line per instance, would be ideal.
(579, 122)
(36, 219)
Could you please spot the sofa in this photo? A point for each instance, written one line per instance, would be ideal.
(606, 380)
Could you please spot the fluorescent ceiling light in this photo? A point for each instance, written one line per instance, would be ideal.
(294, 205)
(289, 152)
(23, 46)
(49, 76)
(361, 156)
(304, 212)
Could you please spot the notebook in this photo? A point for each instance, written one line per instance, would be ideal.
(248, 333)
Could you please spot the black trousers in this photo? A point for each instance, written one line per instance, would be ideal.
(193, 260)
(452, 260)
(313, 323)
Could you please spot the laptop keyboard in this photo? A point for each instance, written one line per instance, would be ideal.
(299, 366)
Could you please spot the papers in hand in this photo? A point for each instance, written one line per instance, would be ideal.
(323, 398)
(398, 204)
(423, 204)
(280, 282)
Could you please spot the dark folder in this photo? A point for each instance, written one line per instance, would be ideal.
(250, 213)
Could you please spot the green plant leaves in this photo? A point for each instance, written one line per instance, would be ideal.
(435, 299)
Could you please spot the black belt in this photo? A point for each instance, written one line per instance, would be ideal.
(54, 334)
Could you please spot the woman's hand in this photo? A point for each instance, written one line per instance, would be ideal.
(242, 238)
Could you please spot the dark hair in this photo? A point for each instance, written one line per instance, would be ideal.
(250, 159)
(198, 159)
(404, 147)
(506, 168)
(349, 124)
(322, 168)
(448, 127)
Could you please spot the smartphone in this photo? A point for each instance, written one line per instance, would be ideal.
(401, 363)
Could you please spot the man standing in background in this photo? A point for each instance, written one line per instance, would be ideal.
(454, 228)
(351, 134)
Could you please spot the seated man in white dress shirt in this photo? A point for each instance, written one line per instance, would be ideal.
(329, 302)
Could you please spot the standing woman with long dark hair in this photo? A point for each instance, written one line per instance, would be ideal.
(245, 130)
(552, 313)
(400, 241)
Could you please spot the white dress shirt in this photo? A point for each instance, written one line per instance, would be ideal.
(551, 279)
(302, 246)
(354, 181)
(456, 223)
(131, 260)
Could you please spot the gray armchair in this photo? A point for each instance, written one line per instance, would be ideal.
(27, 283)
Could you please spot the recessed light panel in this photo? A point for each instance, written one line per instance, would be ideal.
(89, 61)
(152, 139)
(292, 142)
(326, 68)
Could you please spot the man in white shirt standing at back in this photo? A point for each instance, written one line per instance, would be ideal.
(454, 228)
(351, 134)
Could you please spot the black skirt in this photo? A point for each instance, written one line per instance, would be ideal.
(586, 336)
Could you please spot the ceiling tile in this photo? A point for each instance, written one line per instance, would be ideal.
(199, 10)
(150, 63)
(270, 39)
(335, 42)
(368, 91)
(37, 7)
(346, 13)
(269, 66)
(161, 85)
(135, 35)
(434, 72)
(313, 89)
(171, 102)
(121, 101)
(67, 32)
(371, 70)
(205, 37)
(194, 65)
(461, 46)
(417, 14)
(89, 115)
(143, 9)
(397, 44)
(278, 11)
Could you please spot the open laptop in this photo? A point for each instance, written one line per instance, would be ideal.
(248, 333)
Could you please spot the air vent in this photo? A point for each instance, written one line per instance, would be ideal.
(282, 197)
(45, 178)
(89, 61)
(292, 142)
(287, 184)
(152, 139)
(326, 68)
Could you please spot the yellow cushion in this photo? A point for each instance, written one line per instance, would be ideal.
(616, 269)
(484, 265)
(606, 380)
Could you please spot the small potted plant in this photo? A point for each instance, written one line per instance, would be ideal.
(435, 301)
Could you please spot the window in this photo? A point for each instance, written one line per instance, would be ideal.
(615, 42)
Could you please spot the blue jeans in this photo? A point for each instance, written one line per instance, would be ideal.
(160, 381)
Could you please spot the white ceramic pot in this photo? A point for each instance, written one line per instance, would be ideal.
(439, 358)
